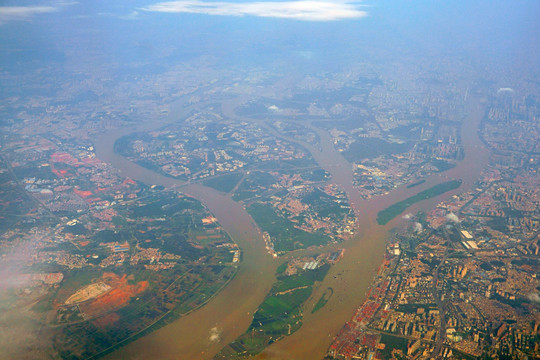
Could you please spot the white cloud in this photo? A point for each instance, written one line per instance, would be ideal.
(14, 13)
(534, 297)
(407, 216)
(308, 10)
(503, 90)
(452, 217)
(215, 335)
(134, 15)
(418, 227)
(18, 13)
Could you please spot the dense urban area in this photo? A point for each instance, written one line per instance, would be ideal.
(110, 182)
(460, 280)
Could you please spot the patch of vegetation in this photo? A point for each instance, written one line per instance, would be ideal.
(525, 261)
(140, 300)
(325, 205)
(498, 224)
(518, 304)
(392, 342)
(412, 308)
(461, 355)
(281, 268)
(279, 315)
(146, 312)
(305, 278)
(457, 255)
(285, 165)
(316, 175)
(384, 216)
(486, 266)
(415, 184)
(366, 148)
(224, 183)
(254, 183)
(77, 229)
(442, 165)
(431, 263)
(163, 207)
(283, 232)
(323, 299)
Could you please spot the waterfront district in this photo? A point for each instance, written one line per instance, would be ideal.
(97, 260)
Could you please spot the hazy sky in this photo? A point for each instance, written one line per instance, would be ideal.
(509, 23)
(504, 33)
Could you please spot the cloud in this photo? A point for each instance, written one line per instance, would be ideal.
(504, 90)
(307, 10)
(215, 335)
(452, 217)
(19, 13)
(134, 15)
(534, 297)
(407, 216)
(418, 227)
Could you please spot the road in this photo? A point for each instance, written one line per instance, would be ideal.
(441, 304)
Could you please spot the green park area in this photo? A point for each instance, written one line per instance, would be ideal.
(225, 182)
(384, 216)
(286, 236)
(323, 299)
(279, 315)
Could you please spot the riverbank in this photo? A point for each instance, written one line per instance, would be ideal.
(205, 331)
(351, 277)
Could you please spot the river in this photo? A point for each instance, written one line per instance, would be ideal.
(351, 277)
(229, 313)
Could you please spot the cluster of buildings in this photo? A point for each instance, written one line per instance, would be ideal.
(69, 196)
(445, 298)
(465, 283)
(188, 151)
(306, 206)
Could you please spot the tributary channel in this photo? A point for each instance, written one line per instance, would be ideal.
(229, 312)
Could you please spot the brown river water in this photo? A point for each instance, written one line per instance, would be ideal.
(229, 313)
